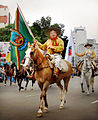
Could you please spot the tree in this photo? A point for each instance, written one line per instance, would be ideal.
(40, 26)
(5, 33)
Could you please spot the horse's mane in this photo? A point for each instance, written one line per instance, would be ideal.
(43, 52)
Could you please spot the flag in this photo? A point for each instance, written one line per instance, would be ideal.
(70, 52)
(20, 36)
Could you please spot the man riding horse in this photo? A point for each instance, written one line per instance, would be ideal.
(54, 47)
(88, 52)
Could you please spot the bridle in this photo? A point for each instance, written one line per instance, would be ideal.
(35, 67)
(86, 69)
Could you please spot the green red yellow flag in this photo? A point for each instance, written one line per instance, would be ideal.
(20, 36)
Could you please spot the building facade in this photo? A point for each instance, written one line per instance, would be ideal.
(79, 36)
(5, 17)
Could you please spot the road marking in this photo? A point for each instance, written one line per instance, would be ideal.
(32, 95)
(96, 101)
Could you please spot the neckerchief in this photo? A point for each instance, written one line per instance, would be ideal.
(54, 42)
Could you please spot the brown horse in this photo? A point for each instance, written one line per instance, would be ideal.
(44, 76)
(8, 72)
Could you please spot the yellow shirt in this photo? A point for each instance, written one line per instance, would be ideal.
(54, 49)
(93, 55)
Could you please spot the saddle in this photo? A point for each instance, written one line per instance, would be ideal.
(79, 67)
(62, 63)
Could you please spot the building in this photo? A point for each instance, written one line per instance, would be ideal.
(91, 41)
(79, 36)
(94, 46)
(5, 17)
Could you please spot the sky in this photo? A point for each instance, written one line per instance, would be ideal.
(71, 13)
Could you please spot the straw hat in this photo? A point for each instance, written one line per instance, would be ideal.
(57, 30)
(88, 44)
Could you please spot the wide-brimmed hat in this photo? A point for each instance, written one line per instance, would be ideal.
(88, 44)
(47, 32)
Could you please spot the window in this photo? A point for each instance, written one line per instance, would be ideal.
(4, 8)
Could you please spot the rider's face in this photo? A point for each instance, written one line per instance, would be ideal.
(88, 47)
(53, 34)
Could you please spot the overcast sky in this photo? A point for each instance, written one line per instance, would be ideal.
(72, 13)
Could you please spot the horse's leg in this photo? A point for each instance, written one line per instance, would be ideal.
(88, 85)
(82, 78)
(66, 82)
(92, 83)
(18, 80)
(43, 88)
(46, 104)
(15, 79)
(33, 81)
(10, 80)
(5, 80)
(27, 81)
(21, 83)
(61, 95)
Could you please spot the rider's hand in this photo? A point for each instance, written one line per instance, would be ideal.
(49, 47)
(35, 41)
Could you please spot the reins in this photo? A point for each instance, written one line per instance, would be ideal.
(36, 66)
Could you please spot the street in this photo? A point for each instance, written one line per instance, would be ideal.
(15, 105)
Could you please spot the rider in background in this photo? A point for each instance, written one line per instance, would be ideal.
(89, 52)
(54, 46)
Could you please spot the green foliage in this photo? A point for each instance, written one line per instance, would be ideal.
(5, 33)
(38, 28)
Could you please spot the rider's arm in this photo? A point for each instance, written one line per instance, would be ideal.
(93, 55)
(42, 46)
(60, 46)
(80, 55)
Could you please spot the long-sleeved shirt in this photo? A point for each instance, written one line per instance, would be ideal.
(54, 49)
(88, 51)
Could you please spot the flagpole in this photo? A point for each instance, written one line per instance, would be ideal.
(25, 22)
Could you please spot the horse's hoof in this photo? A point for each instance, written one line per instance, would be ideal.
(61, 107)
(92, 91)
(88, 93)
(25, 88)
(45, 110)
(19, 89)
(4, 84)
(22, 87)
(39, 114)
(31, 88)
(83, 91)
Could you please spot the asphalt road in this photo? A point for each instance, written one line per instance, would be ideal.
(23, 105)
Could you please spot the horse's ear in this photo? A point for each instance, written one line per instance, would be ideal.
(32, 47)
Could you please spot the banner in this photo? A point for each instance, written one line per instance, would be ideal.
(20, 36)
(70, 52)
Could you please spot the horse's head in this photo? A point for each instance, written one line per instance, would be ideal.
(87, 62)
(34, 52)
